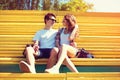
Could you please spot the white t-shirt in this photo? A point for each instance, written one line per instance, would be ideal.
(46, 38)
(64, 38)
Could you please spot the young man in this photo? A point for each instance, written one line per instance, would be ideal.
(44, 41)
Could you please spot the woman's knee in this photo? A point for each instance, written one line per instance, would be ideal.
(71, 52)
(63, 46)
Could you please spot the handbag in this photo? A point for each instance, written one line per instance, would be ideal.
(82, 53)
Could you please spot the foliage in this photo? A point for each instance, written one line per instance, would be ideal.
(19, 4)
(51, 5)
(76, 5)
(71, 5)
(46, 5)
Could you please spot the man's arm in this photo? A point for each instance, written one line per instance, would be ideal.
(36, 45)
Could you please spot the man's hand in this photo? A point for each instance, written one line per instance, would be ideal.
(36, 47)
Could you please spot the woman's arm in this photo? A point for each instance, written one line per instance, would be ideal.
(74, 32)
(57, 39)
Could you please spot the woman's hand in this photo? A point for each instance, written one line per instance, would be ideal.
(74, 32)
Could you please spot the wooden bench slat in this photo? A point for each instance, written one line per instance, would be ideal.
(26, 76)
(63, 76)
(14, 43)
(61, 13)
(77, 62)
(15, 54)
(33, 18)
(93, 76)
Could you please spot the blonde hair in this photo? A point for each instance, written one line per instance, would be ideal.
(71, 20)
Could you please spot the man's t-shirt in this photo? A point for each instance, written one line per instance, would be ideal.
(46, 38)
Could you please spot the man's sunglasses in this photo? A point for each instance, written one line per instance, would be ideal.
(52, 19)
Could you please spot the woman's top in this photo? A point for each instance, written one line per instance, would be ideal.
(64, 38)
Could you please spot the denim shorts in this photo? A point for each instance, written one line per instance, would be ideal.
(42, 53)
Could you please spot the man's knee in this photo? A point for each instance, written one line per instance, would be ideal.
(54, 52)
(29, 50)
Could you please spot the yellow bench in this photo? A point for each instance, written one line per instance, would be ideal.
(94, 76)
(28, 76)
(99, 34)
(62, 76)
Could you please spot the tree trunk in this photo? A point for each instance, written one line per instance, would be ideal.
(35, 4)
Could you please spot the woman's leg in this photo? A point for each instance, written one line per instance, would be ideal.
(65, 51)
(70, 65)
(54, 57)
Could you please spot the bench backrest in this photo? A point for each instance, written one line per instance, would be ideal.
(99, 32)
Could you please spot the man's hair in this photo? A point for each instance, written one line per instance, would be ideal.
(47, 16)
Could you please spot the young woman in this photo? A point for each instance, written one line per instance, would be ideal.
(65, 43)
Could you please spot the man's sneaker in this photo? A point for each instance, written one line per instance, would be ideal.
(24, 67)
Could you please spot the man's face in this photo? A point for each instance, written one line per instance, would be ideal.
(51, 21)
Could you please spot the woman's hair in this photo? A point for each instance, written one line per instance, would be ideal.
(47, 16)
(71, 20)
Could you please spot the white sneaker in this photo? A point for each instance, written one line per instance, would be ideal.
(52, 71)
(25, 67)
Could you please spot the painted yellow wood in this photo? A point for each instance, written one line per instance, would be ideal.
(62, 76)
(29, 76)
(93, 76)
(99, 33)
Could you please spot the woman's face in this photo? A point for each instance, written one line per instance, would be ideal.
(65, 22)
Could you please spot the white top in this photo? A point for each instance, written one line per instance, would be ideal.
(64, 38)
(46, 38)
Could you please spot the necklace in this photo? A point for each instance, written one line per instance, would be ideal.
(66, 31)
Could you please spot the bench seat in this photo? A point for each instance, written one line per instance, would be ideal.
(76, 61)
(62, 76)
(28, 76)
(94, 76)
(99, 33)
